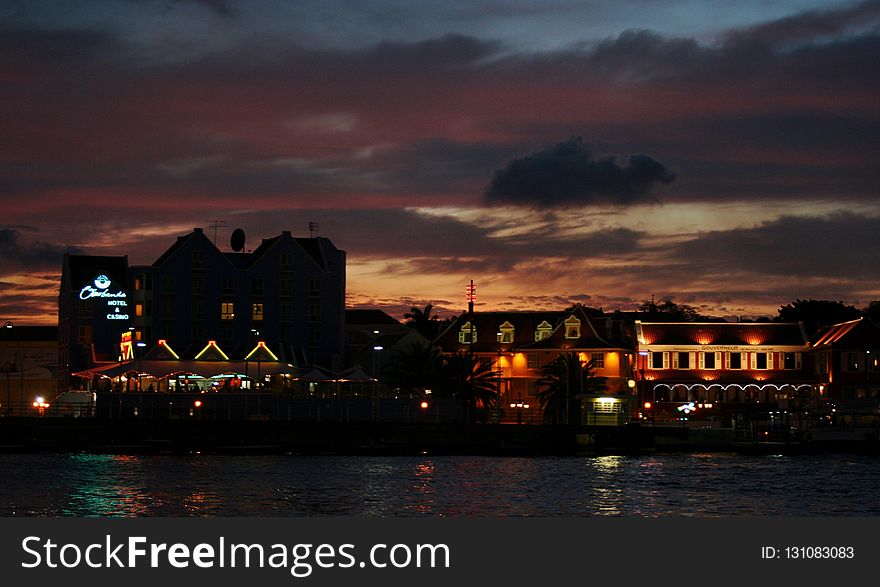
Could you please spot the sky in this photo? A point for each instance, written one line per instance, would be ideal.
(723, 154)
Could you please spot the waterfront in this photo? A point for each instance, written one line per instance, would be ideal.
(719, 484)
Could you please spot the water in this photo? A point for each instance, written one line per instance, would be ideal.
(287, 485)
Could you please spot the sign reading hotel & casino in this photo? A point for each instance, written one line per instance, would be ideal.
(117, 304)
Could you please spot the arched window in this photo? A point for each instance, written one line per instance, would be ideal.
(505, 333)
(572, 327)
(543, 331)
(467, 334)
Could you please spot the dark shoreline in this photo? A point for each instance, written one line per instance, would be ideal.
(185, 436)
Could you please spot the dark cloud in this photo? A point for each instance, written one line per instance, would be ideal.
(31, 257)
(568, 174)
(810, 25)
(842, 246)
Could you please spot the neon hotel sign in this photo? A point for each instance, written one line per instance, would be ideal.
(116, 300)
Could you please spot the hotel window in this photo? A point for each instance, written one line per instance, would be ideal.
(734, 360)
(314, 287)
(874, 361)
(533, 361)
(198, 283)
(314, 337)
(198, 259)
(572, 328)
(314, 311)
(167, 307)
(761, 361)
(285, 286)
(598, 360)
(198, 310)
(227, 286)
(227, 310)
(659, 360)
(286, 312)
(506, 333)
(683, 360)
(467, 334)
(791, 361)
(138, 309)
(197, 332)
(709, 361)
(167, 283)
(257, 312)
(543, 331)
(226, 335)
(257, 286)
(138, 282)
(286, 262)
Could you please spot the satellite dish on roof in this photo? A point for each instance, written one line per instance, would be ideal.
(236, 241)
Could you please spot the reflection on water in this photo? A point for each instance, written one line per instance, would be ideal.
(660, 485)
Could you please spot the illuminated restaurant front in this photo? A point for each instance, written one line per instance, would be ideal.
(161, 369)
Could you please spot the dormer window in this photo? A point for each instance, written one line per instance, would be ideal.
(543, 331)
(505, 333)
(467, 334)
(572, 327)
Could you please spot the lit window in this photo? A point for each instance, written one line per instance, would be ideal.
(138, 309)
(543, 331)
(572, 327)
(467, 334)
(506, 331)
(227, 310)
(598, 360)
(852, 362)
(257, 312)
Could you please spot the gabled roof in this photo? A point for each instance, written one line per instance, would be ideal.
(861, 333)
(721, 333)
(369, 316)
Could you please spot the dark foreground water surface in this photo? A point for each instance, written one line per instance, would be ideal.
(287, 485)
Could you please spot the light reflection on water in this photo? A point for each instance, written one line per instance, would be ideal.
(659, 485)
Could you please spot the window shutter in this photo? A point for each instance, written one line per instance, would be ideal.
(674, 359)
(797, 361)
(692, 360)
(702, 364)
(753, 360)
(666, 360)
(718, 358)
(770, 359)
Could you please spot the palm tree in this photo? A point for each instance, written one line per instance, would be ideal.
(474, 383)
(562, 381)
(425, 324)
(416, 367)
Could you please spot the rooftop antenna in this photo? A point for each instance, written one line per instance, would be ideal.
(313, 228)
(214, 225)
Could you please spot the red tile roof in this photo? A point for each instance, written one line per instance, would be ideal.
(721, 333)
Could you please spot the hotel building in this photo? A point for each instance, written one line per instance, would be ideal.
(711, 370)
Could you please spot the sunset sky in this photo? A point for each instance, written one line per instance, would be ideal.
(721, 153)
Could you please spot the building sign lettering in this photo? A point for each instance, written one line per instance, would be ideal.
(100, 288)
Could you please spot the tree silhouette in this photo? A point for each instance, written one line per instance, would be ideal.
(423, 321)
(415, 368)
(562, 381)
(473, 383)
(816, 314)
(669, 311)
